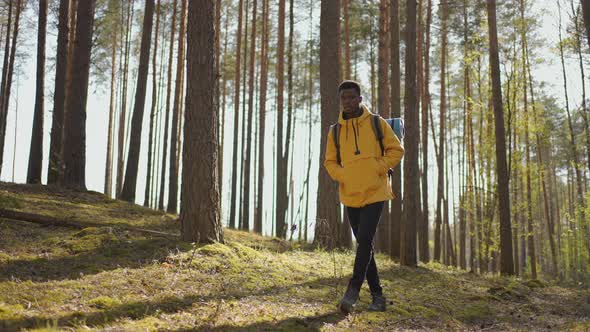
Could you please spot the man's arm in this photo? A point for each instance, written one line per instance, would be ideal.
(393, 150)
(331, 162)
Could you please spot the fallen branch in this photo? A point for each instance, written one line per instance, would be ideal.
(52, 221)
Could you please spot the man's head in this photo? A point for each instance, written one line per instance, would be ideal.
(349, 93)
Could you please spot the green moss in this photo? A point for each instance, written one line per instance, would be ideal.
(4, 257)
(534, 283)
(89, 231)
(473, 312)
(104, 302)
(9, 202)
(88, 239)
(46, 329)
(8, 311)
(401, 311)
(244, 252)
(216, 249)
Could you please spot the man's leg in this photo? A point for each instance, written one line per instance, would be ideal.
(369, 219)
(351, 295)
(354, 216)
(374, 213)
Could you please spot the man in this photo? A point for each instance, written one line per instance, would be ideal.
(364, 187)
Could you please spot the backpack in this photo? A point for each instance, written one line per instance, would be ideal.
(397, 124)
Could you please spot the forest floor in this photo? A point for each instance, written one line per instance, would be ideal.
(113, 277)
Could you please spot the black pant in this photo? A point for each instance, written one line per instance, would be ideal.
(363, 222)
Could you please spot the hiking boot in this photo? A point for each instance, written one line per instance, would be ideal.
(378, 303)
(348, 301)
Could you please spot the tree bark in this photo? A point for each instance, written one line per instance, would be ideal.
(200, 212)
(328, 207)
(234, 177)
(5, 73)
(507, 265)
(529, 213)
(243, 120)
(7, 82)
(218, 78)
(411, 184)
(146, 200)
(281, 193)
(75, 124)
(249, 141)
(396, 182)
(36, 151)
(291, 124)
(176, 113)
(55, 167)
(441, 150)
(425, 102)
(167, 115)
(383, 108)
(586, 13)
(122, 124)
(108, 181)
(347, 68)
(258, 220)
(129, 185)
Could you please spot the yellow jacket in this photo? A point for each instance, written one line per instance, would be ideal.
(363, 174)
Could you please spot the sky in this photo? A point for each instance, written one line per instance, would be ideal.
(23, 96)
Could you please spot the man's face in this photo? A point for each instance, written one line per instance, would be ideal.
(350, 100)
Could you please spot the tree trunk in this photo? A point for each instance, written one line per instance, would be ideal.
(441, 152)
(411, 185)
(247, 162)
(425, 102)
(36, 152)
(507, 267)
(529, 212)
(55, 167)
(586, 12)
(75, 124)
(291, 119)
(122, 123)
(347, 67)
(167, 115)
(200, 212)
(146, 201)
(243, 119)
(310, 86)
(578, 48)
(218, 78)
(281, 193)
(234, 178)
(158, 129)
(576, 161)
(128, 192)
(5, 70)
(258, 220)
(542, 176)
(223, 101)
(396, 181)
(108, 178)
(382, 237)
(176, 112)
(7, 82)
(328, 206)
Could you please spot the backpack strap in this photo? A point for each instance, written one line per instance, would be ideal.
(335, 129)
(378, 131)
